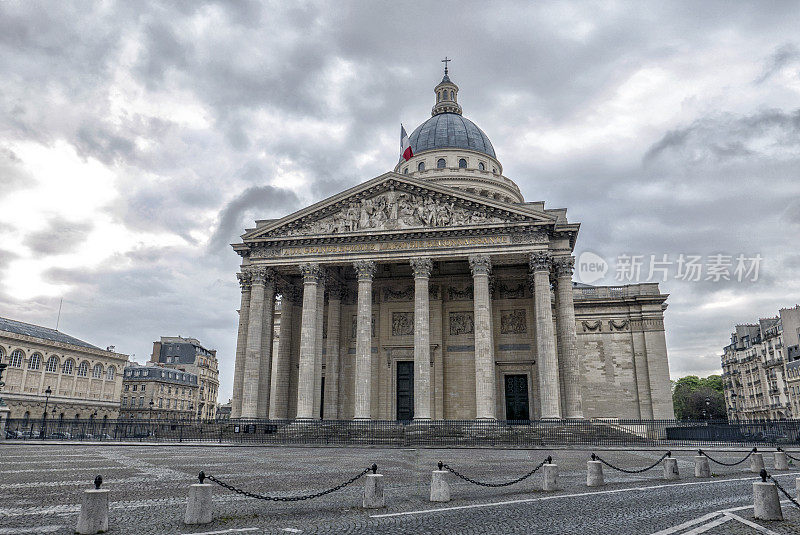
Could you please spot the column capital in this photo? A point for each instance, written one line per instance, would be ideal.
(365, 269)
(244, 281)
(311, 272)
(480, 264)
(564, 266)
(422, 267)
(259, 274)
(290, 292)
(540, 261)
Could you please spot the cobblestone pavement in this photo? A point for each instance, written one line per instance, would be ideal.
(41, 486)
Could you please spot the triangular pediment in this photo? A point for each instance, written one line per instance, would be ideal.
(394, 202)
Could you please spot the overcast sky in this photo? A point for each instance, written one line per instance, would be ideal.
(138, 140)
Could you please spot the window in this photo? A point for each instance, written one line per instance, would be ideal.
(452, 95)
(111, 373)
(52, 365)
(462, 163)
(134, 388)
(494, 170)
(142, 388)
(2, 354)
(160, 403)
(405, 171)
(440, 163)
(421, 166)
(481, 166)
(97, 371)
(126, 387)
(141, 401)
(83, 369)
(68, 367)
(16, 358)
(35, 361)
(124, 402)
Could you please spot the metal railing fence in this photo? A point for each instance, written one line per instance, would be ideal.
(390, 433)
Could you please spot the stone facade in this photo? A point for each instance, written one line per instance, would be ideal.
(85, 381)
(761, 368)
(438, 293)
(158, 393)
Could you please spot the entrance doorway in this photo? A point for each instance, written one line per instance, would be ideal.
(405, 390)
(517, 397)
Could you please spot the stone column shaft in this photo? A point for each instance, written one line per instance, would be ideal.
(241, 346)
(255, 326)
(485, 404)
(320, 318)
(308, 338)
(422, 338)
(547, 360)
(569, 363)
(279, 400)
(363, 375)
(331, 405)
(267, 337)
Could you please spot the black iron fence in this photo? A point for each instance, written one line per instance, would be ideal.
(606, 432)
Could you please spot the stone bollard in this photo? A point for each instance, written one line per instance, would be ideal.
(594, 473)
(94, 510)
(766, 503)
(701, 466)
(671, 468)
(199, 506)
(797, 487)
(781, 460)
(373, 490)
(550, 479)
(756, 462)
(440, 488)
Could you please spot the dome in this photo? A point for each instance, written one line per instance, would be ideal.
(450, 130)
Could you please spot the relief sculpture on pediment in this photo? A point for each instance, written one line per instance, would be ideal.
(394, 210)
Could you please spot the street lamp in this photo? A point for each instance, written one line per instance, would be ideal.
(707, 410)
(151, 417)
(44, 414)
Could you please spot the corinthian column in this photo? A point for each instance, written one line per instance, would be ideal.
(546, 360)
(422, 338)
(331, 405)
(308, 339)
(255, 327)
(241, 345)
(363, 383)
(279, 400)
(569, 363)
(484, 340)
(267, 337)
(318, 345)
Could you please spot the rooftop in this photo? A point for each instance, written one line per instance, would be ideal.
(44, 333)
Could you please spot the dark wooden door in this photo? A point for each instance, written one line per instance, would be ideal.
(517, 397)
(322, 399)
(405, 390)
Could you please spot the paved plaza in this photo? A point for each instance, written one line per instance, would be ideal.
(41, 488)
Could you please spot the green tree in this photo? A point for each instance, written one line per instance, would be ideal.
(697, 398)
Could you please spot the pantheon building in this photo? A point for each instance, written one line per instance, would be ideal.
(435, 291)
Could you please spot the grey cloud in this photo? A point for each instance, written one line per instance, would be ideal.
(783, 56)
(261, 200)
(59, 236)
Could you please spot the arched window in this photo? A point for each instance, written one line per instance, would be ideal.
(111, 373)
(68, 367)
(438, 97)
(35, 361)
(481, 166)
(452, 95)
(421, 166)
(2, 354)
(405, 171)
(462, 163)
(97, 371)
(52, 365)
(26, 418)
(440, 163)
(83, 369)
(16, 358)
(494, 170)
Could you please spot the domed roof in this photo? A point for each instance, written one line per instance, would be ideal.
(450, 131)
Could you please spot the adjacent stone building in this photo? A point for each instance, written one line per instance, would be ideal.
(435, 291)
(158, 393)
(189, 355)
(84, 380)
(761, 369)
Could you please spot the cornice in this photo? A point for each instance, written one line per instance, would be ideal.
(63, 346)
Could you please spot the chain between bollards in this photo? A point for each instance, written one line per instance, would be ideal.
(597, 458)
(493, 485)
(701, 452)
(789, 456)
(373, 469)
(765, 475)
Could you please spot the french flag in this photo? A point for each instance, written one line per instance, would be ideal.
(405, 144)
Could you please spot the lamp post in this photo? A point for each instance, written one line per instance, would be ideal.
(151, 417)
(44, 414)
(707, 410)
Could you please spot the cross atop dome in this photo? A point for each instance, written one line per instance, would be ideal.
(446, 94)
